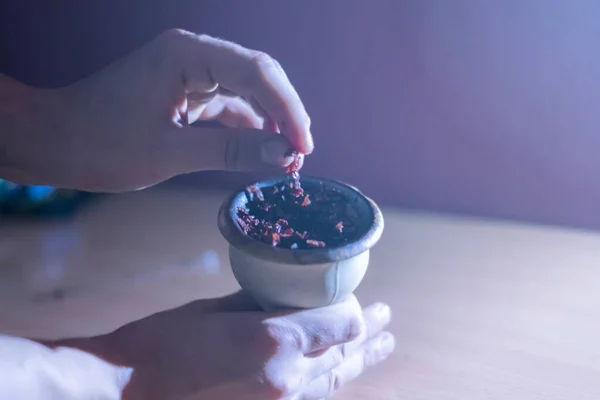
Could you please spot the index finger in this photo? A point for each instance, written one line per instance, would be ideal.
(254, 75)
(321, 328)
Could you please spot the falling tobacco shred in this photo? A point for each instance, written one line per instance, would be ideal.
(284, 216)
(306, 201)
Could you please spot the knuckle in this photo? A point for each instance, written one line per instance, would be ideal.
(290, 336)
(178, 40)
(295, 337)
(168, 45)
(262, 62)
(279, 337)
(263, 71)
(204, 38)
(174, 33)
(169, 38)
(262, 67)
(339, 355)
(320, 339)
(370, 355)
(278, 387)
(281, 375)
(270, 338)
(334, 382)
(278, 65)
(355, 327)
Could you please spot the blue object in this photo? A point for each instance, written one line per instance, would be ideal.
(37, 200)
(39, 193)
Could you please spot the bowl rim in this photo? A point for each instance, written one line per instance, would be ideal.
(230, 230)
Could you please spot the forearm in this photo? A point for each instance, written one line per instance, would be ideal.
(27, 117)
(67, 369)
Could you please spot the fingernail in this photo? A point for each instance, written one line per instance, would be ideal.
(387, 343)
(273, 151)
(310, 144)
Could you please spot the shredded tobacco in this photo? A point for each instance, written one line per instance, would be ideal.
(287, 217)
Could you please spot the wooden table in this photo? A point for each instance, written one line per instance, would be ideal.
(483, 310)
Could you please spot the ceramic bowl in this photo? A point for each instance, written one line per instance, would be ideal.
(280, 278)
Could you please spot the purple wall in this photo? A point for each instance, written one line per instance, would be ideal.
(471, 106)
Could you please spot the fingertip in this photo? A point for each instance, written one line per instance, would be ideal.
(310, 145)
(382, 311)
(300, 137)
(304, 144)
(387, 344)
(377, 316)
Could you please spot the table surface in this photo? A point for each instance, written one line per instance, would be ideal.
(483, 310)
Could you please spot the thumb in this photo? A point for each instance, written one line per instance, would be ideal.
(192, 149)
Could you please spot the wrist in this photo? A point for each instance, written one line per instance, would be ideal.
(99, 346)
(29, 117)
